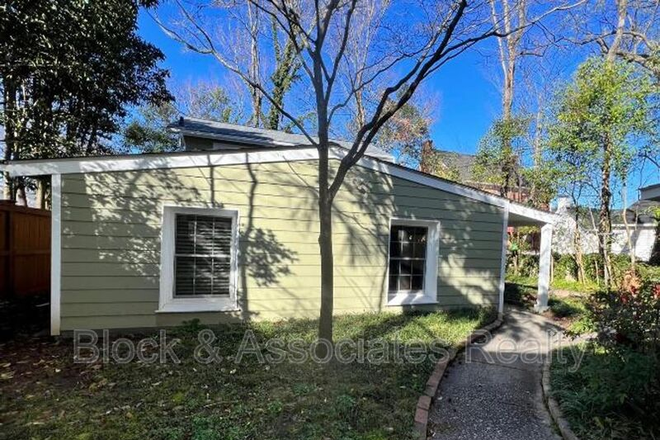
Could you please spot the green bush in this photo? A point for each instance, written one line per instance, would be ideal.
(630, 318)
(565, 267)
(613, 393)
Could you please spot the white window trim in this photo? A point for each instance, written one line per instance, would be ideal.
(167, 302)
(430, 293)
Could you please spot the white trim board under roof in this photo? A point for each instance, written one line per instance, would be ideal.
(232, 157)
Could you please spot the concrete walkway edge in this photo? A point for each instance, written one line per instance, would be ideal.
(424, 401)
(553, 407)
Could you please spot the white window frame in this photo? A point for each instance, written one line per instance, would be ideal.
(428, 295)
(168, 303)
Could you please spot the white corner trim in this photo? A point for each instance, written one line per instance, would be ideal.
(430, 293)
(167, 303)
(505, 242)
(56, 254)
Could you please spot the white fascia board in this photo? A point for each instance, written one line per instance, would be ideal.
(223, 158)
(532, 214)
(148, 162)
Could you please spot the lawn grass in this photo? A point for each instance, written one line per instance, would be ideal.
(614, 394)
(44, 395)
(568, 307)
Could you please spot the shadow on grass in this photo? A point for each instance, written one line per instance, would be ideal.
(523, 295)
(229, 400)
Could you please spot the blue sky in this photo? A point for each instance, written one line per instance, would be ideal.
(468, 101)
(465, 88)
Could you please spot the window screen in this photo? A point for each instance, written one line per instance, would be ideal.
(202, 255)
(407, 258)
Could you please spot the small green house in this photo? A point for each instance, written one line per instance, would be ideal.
(227, 230)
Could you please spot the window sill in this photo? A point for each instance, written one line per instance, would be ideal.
(407, 299)
(200, 305)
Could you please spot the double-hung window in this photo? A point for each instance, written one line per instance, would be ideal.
(413, 261)
(198, 260)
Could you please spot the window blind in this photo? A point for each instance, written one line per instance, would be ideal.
(202, 256)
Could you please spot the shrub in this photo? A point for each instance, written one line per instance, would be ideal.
(614, 393)
(565, 267)
(630, 318)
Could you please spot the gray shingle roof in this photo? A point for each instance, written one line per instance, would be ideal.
(240, 134)
(462, 163)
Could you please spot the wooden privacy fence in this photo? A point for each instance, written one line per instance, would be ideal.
(24, 250)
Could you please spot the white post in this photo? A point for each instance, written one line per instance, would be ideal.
(55, 253)
(545, 259)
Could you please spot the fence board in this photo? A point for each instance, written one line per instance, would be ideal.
(24, 250)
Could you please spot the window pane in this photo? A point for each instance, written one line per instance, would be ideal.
(185, 234)
(185, 276)
(394, 283)
(418, 267)
(203, 276)
(395, 249)
(221, 271)
(394, 234)
(407, 258)
(417, 282)
(404, 282)
(406, 250)
(419, 250)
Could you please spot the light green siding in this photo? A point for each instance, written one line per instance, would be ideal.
(111, 226)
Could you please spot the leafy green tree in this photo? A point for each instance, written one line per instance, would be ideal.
(69, 69)
(146, 130)
(498, 156)
(603, 120)
(405, 134)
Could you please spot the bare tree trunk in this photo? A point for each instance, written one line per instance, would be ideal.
(254, 65)
(21, 197)
(9, 126)
(604, 215)
(621, 6)
(325, 246)
(41, 193)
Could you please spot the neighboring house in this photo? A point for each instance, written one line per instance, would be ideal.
(641, 226)
(460, 168)
(230, 233)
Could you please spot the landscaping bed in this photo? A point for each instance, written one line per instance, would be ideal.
(614, 394)
(608, 387)
(45, 395)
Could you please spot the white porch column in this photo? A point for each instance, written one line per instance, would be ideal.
(545, 259)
